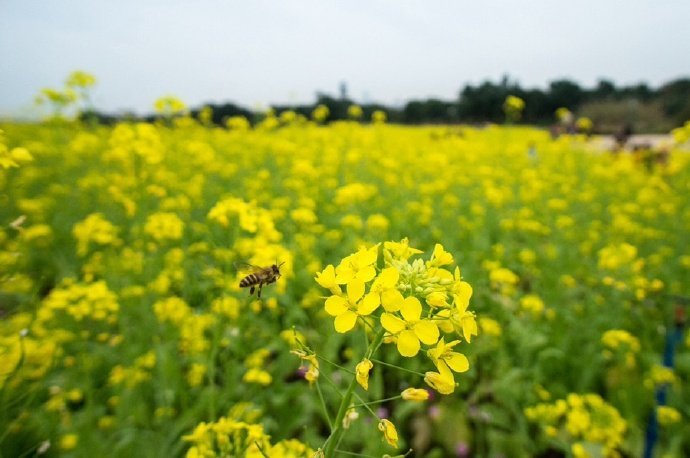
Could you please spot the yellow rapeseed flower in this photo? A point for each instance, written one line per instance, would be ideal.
(415, 394)
(667, 415)
(379, 117)
(347, 310)
(385, 289)
(362, 372)
(359, 265)
(327, 279)
(389, 432)
(164, 226)
(68, 442)
(411, 329)
(355, 112)
(442, 381)
(443, 355)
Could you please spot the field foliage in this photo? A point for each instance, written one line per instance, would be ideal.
(124, 332)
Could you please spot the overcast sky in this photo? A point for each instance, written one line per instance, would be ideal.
(260, 52)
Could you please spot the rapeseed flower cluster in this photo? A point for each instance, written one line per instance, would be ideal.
(660, 376)
(97, 231)
(170, 105)
(229, 437)
(26, 357)
(668, 415)
(416, 302)
(13, 157)
(192, 327)
(621, 342)
(681, 134)
(513, 107)
(582, 419)
(83, 303)
(75, 92)
(137, 373)
(164, 226)
(255, 364)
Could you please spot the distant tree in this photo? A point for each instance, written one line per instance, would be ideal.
(565, 93)
(485, 102)
(98, 117)
(640, 92)
(413, 112)
(431, 111)
(675, 99)
(537, 106)
(337, 107)
(605, 89)
(392, 114)
(221, 113)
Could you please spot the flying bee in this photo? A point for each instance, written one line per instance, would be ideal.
(259, 277)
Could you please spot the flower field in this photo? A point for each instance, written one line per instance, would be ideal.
(456, 291)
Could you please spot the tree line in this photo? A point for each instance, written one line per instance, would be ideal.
(609, 105)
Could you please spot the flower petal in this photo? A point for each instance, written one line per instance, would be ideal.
(369, 304)
(389, 432)
(392, 300)
(426, 331)
(345, 321)
(344, 273)
(392, 323)
(336, 305)
(443, 274)
(443, 321)
(441, 256)
(367, 257)
(436, 299)
(355, 290)
(408, 343)
(327, 277)
(411, 309)
(463, 293)
(366, 274)
(469, 326)
(415, 394)
(458, 362)
(440, 382)
(389, 277)
(362, 373)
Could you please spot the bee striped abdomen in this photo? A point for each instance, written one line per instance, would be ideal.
(249, 280)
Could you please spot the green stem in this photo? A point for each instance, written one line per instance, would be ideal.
(383, 363)
(344, 369)
(379, 401)
(338, 429)
(366, 406)
(355, 454)
(212, 375)
(323, 405)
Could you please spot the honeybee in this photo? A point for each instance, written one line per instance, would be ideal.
(259, 277)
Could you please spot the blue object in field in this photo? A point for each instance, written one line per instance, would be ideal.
(672, 339)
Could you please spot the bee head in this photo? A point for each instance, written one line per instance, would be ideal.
(276, 268)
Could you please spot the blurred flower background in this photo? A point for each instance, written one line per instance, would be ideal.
(470, 264)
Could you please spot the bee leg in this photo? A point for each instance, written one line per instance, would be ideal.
(251, 291)
(259, 294)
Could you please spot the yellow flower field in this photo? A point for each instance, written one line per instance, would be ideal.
(450, 290)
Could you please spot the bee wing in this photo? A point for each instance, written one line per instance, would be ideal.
(246, 268)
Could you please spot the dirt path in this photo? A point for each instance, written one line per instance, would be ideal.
(650, 140)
